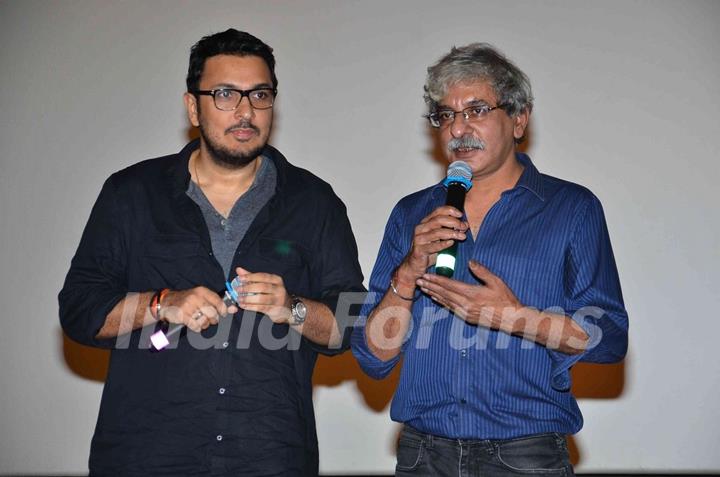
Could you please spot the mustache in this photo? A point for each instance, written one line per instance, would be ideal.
(465, 142)
(243, 125)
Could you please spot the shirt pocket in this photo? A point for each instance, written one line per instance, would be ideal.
(534, 281)
(284, 258)
(173, 261)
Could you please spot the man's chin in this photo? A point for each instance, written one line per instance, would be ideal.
(234, 160)
(231, 159)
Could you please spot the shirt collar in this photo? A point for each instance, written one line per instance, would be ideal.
(530, 179)
(179, 171)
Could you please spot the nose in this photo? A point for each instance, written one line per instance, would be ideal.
(459, 125)
(244, 108)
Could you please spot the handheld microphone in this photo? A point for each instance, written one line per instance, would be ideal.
(161, 339)
(458, 182)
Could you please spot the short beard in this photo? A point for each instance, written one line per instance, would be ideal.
(222, 156)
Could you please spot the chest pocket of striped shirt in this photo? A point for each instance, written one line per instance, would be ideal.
(531, 278)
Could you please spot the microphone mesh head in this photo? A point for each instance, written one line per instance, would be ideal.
(460, 169)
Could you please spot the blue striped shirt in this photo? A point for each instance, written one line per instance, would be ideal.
(548, 240)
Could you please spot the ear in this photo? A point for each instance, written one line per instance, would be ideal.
(520, 123)
(192, 108)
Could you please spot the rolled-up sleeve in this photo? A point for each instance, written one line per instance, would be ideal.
(389, 257)
(97, 280)
(593, 296)
(341, 279)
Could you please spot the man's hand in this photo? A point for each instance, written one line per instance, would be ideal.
(492, 304)
(434, 233)
(196, 308)
(264, 293)
(483, 304)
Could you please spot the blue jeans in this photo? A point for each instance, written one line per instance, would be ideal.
(426, 455)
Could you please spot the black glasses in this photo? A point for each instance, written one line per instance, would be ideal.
(445, 117)
(228, 99)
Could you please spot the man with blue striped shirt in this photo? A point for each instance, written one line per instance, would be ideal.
(484, 388)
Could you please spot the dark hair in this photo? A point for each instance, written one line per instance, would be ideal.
(229, 42)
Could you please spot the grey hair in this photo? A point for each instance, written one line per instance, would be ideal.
(480, 62)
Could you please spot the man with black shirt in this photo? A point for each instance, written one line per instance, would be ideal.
(232, 394)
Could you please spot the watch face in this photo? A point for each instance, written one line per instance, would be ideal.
(299, 310)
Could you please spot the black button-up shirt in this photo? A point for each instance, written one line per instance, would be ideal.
(236, 399)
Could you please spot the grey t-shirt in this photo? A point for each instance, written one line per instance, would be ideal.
(226, 233)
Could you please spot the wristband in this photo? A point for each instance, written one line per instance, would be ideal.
(158, 304)
(153, 305)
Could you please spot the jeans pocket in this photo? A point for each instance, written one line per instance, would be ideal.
(534, 455)
(409, 454)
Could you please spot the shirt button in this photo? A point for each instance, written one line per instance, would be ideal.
(221, 390)
(210, 254)
(463, 353)
(462, 401)
(226, 344)
(223, 222)
(219, 437)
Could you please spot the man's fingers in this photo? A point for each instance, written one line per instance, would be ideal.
(480, 272)
(197, 321)
(439, 234)
(209, 303)
(212, 314)
(451, 291)
(435, 297)
(262, 278)
(203, 317)
(266, 298)
(434, 247)
(443, 221)
(447, 222)
(445, 210)
(256, 288)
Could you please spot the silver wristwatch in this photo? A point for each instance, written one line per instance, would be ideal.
(299, 311)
